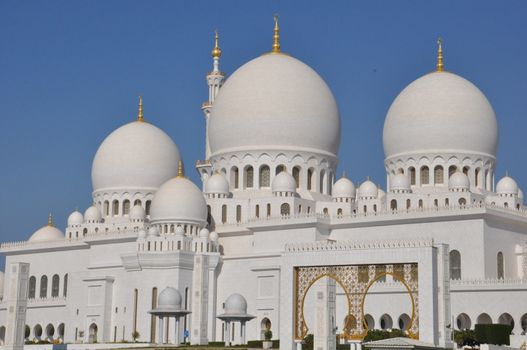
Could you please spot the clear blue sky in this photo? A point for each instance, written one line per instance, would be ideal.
(71, 72)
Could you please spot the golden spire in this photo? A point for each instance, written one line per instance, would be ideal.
(140, 117)
(216, 51)
(276, 36)
(180, 170)
(50, 220)
(439, 66)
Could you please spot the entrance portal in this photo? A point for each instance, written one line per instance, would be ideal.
(355, 281)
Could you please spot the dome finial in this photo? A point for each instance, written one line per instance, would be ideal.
(276, 36)
(50, 220)
(216, 51)
(180, 170)
(439, 65)
(140, 117)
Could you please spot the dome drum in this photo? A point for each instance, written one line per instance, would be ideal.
(435, 169)
(247, 171)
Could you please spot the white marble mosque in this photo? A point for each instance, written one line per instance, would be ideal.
(271, 239)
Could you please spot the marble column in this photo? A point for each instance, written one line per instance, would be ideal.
(160, 329)
(227, 333)
(242, 332)
(176, 336)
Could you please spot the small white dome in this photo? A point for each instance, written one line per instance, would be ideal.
(179, 200)
(204, 233)
(180, 231)
(380, 193)
(507, 185)
(368, 190)
(48, 233)
(213, 236)
(283, 182)
(92, 214)
(236, 305)
(520, 194)
(343, 188)
(141, 234)
(400, 182)
(137, 213)
(75, 219)
(137, 155)
(275, 102)
(153, 231)
(458, 181)
(217, 184)
(169, 298)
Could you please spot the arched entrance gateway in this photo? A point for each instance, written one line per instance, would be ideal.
(355, 281)
(324, 288)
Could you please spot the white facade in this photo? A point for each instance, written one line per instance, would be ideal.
(272, 139)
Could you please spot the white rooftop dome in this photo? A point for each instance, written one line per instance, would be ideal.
(275, 102)
(236, 305)
(283, 182)
(507, 185)
(204, 233)
(214, 236)
(48, 233)
(137, 155)
(400, 182)
(368, 190)
(75, 218)
(440, 112)
(179, 200)
(217, 184)
(153, 231)
(180, 231)
(458, 181)
(169, 298)
(92, 214)
(137, 212)
(343, 188)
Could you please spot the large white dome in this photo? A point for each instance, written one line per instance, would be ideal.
(137, 155)
(440, 112)
(179, 200)
(275, 102)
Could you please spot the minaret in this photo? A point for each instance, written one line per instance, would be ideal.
(215, 80)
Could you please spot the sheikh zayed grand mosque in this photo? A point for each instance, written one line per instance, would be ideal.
(272, 240)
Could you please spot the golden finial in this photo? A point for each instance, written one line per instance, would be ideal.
(276, 36)
(439, 66)
(140, 117)
(180, 170)
(50, 220)
(216, 51)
